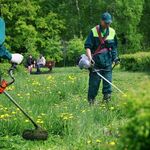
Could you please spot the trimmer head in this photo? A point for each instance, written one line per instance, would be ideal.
(36, 134)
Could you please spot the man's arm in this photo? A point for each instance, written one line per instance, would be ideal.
(89, 45)
(4, 53)
(2, 31)
(88, 54)
(14, 58)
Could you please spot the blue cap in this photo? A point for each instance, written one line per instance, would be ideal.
(106, 17)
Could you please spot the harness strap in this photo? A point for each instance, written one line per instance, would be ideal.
(102, 41)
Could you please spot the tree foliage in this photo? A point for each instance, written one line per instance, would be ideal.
(38, 26)
(29, 30)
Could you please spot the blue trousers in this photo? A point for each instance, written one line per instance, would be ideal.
(95, 80)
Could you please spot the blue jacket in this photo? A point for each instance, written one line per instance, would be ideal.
(92, 42)
(4, 53)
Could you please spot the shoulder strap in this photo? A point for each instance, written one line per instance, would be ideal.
(99, 34)
(102, 40)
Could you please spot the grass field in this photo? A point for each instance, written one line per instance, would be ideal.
(57, 101)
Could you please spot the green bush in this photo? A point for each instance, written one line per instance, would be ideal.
(136, 62)
(4, 67)
(74, 49)
(135, 134)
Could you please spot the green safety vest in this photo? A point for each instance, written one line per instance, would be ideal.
(111, 35)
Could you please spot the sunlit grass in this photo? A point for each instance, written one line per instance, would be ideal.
(57, 102)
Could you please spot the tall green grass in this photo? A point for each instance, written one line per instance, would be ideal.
(57, 101)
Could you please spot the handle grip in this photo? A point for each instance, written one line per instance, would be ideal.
(10, 72)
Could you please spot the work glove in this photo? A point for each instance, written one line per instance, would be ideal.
(117, 61)
(17, 58)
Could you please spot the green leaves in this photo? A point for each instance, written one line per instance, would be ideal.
(29, 30)
(135, 134)
(30, 25)
(136, 62)
(75, 49)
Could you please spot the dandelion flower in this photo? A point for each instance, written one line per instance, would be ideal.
(112, 108)
(26, 120)
(98, 141)
(89, 142)
(112, 143)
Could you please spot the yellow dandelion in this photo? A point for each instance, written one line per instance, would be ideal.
(43, 114)
(28, 94)
(83, 111)
(6, 115)
(2, 116)
(5, 108)
(41, 122)
(98, 141)
(59, 92)
(112, 108)
(26, 120)
(39, 117)
(112, 143)
(124, 95)
(65, 118)
(13, 112)
(89, 142)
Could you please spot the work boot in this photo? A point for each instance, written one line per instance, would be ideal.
(91, 102)
(106, 98)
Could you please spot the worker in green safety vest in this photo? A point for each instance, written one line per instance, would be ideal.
(101, 50)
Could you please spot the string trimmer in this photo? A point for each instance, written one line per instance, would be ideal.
(38, 133)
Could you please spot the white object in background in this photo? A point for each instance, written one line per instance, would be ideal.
(17, 58)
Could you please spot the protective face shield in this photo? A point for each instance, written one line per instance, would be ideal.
(84, 62)
(17, 58)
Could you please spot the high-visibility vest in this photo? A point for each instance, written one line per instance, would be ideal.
(2, 31)
(111, 35)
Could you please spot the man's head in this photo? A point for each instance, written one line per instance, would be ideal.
(30, 56)
(106, 20)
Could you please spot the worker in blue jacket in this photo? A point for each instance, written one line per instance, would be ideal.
(4, 53)
(101, 50)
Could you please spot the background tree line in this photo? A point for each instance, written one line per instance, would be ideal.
(59, 28)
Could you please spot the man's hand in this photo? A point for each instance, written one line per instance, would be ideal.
(117, 61)
(89, 55)
(92, 63)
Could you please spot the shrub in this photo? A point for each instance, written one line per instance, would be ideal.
(135, 134)
(4, 67)
(136, 62)
(74, 49)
